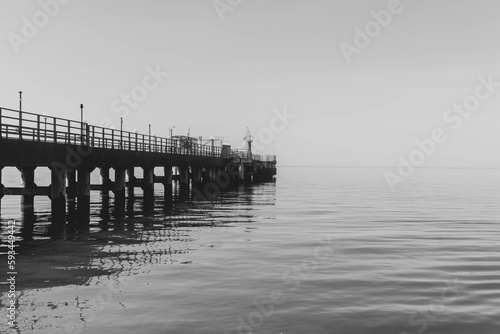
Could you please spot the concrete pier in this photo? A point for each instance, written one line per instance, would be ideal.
(72, 154)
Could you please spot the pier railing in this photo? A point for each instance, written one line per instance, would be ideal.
(22, 125)
(242, 155)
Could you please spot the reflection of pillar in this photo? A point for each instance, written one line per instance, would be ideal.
(28, 201)
(183, 182)
(119, 191)
(57, 199)
(148, 188)
(83, 198)
(167, 184)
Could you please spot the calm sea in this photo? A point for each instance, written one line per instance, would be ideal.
(321, 250)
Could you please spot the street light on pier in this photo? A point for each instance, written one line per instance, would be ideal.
(20, 101)
(121, 132)
(81, 122)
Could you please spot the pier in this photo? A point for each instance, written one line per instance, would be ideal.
(72, 150)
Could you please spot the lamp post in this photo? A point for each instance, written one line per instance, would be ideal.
(20, 115)
(81, 122)
(149, 137)
(121, 132)
(170, 129)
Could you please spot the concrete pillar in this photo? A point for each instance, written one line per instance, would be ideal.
(148, 188)
(241, 173)
(131, 181)
(257, 175)
(28, 177)
(196, 171)
(183, 182)
(71, 198)
(130, 190)
(106, 183)
(211, 174)
(83, 199)
(167, 184)
(197, 184)
(28, 201)
(119, 191)
(57, 198)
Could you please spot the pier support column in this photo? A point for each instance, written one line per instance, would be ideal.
(106, 182)
(241, 173)
(167, 184)
(28, 177)
(183, 182)
(119, 191)
(57, 198)
(148, 188)
(211, 174)
(71, 198)
(257, 175)
(83, 199)
(130, 191)
(28, 201)
(131, 181)
(196, 178)
(197, 184)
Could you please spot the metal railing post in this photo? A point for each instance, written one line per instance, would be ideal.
(55, 131)
(87, 134)
(38, 126)
(20, 124)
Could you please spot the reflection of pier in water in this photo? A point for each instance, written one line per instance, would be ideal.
(192, 169)
(96, 259)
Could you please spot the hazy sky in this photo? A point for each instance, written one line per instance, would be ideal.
(224, 75)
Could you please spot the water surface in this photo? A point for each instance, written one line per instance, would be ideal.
(322, 250)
